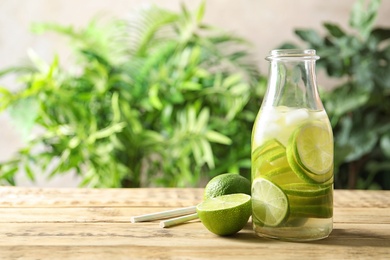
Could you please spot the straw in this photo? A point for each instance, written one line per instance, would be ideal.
(178, 220)
(164, 214)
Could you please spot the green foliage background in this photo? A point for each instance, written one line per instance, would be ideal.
(163, 99)
(359, 107)
(158, 100)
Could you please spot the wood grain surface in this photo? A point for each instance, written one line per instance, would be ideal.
(95, 224)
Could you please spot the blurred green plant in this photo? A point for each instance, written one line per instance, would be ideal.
(359, 107)
(160, 99)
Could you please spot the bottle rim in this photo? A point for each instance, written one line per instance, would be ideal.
(292, 54)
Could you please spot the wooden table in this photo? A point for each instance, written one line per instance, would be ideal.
(94, 224)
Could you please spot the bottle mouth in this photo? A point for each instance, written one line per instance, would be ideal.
(292, 54)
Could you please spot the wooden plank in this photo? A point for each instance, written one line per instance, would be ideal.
(362, 215)
(94, 224)
(362, 198)
(149, 234)
(64, 197)
(153, 197)
(126, 251)
(350, 241)
(73, 215)
(123, 214)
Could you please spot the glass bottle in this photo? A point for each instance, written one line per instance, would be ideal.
(292, 153)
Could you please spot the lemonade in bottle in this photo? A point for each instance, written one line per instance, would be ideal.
(292, 153)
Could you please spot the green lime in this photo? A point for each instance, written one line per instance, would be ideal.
(310, 153)
(309, 200)
(305, 174)
(306, 189)
(269, 157)
(301, 202)
(314, 146)
(273, 154)
(270, 150)
(227, 183)
(282, 175)
(312, 211)
(270, 204)
(225, 215)
(266, 146)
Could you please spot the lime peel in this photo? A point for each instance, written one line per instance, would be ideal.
(227, 183)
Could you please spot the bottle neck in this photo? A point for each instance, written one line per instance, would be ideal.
(292, 83)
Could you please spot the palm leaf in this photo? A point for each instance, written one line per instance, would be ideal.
(147, 27)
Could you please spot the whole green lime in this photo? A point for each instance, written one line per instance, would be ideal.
(227, 183)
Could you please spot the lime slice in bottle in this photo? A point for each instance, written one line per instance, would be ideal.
(269, 157)
(225, 215)
(304, 174)
(309, 200)
(314, 146)
(270, 150)
(270, 204)
(282, 175)
(312, 211)
(310, 153)
(306, 189)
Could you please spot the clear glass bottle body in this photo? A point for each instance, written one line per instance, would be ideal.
(292, 153)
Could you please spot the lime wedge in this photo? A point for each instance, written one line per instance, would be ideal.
(270, 205)
(225, 215)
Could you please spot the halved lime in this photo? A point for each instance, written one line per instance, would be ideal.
(270, 204)
(225, 215)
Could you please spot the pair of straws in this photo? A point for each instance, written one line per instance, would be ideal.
(178, 216)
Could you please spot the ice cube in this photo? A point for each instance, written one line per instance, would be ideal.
(296, 116)
(272, 129)
(265, 132)
(270, 115)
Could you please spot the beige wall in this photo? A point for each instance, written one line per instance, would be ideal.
(266, 23)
